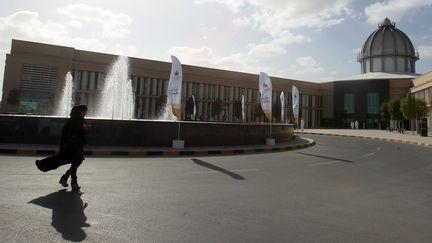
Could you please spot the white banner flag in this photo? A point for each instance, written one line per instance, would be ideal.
(265, 88)
(243, 108)
(194, 108)
(295, 103)
(174, 86)
(282, 100)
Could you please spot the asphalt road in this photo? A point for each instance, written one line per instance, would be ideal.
(341, 190)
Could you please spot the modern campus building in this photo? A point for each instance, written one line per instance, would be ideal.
(35, 74)
(422, 90)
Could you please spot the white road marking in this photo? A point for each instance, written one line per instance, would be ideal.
(325, 163)
(367, 155)
(216, 171)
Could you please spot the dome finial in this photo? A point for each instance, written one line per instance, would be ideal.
(386, 23)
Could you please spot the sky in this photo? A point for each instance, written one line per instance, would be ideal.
(309, 40)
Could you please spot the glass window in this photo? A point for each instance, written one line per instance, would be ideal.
(165, 87)
(77, 79)
(349, 103)
(84, 80)
(154, 86)
(200, 91)
(373, 103)
(147, 86)
(101, 81)
(92, 80)
(159, 90)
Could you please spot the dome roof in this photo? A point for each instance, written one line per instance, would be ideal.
(388, 41)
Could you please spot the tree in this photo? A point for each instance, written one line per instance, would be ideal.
(408, 107)
(422, 110)
(384, 113)
(395, 112)
(13, 97)
(414, 109)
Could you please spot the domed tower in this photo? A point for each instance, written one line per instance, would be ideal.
(389, 50)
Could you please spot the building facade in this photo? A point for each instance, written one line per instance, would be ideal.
(387, 61)
(422, 90)
(35, 74)
(37, 71)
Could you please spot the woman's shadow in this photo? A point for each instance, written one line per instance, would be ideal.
(68, 216)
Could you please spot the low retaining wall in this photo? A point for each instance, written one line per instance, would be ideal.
(141, 133)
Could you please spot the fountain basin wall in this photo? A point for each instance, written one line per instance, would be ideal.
(141, 133)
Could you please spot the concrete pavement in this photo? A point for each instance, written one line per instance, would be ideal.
(341, 190)
(44, 149)
(406, 137)
(300, 142)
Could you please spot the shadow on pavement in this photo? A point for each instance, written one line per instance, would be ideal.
(68, 216)
(214, 167)
(326, 157)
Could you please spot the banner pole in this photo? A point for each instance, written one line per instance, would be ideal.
(178, 131)
(270, 129)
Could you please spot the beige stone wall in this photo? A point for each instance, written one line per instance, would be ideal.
(422, 82)
(11, 81)
(423, 90)
(66, 58)
(400, 88)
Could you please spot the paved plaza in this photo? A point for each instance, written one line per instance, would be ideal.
(342, 189)
(405, 137)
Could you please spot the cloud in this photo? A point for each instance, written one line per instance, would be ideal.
(393, 9)
(248, 61)
(307, 65)
(273, 16)
(192, 55)
(238, 62)
(280, 21)
(266, 50)
(114, 25)
(286, 37)
(425, 52)
(356, 50)
(27, 25)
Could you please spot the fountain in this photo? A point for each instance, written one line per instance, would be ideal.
(112, 123)
(166, 113)
(116, 100)
(66, 102)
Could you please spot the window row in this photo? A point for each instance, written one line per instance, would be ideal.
(372, 103)
(147, 86)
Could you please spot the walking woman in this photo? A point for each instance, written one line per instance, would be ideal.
(73, 139)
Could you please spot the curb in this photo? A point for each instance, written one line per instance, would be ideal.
(375, 138)
(165, 153)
